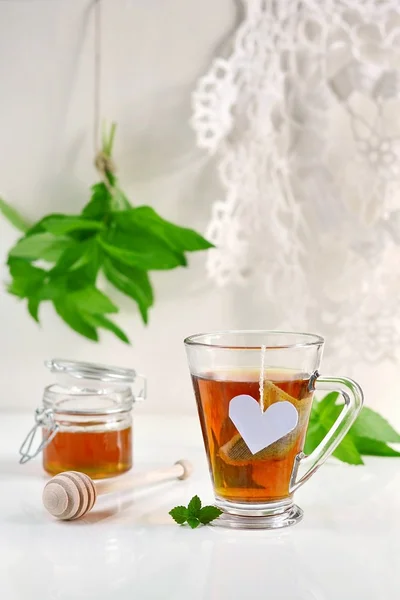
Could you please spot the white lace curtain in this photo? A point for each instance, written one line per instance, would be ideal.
(303, 121)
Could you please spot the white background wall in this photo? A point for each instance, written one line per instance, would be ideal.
(153, 51)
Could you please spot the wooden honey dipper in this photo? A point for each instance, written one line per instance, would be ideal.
(72, 495)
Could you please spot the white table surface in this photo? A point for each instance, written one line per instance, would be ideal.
(346, 548)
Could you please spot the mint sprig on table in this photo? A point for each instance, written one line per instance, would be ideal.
(60, 257)
(369, 436)
(194, 514)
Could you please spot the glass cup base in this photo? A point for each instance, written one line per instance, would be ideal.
(256, 516)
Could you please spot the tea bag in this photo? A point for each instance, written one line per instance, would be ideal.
(236, 452)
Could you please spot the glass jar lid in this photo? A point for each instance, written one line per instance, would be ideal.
(84, 370)
(83, 388)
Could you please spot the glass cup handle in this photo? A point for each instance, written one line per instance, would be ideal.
(353, 398)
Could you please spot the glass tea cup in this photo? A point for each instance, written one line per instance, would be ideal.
(254, 391)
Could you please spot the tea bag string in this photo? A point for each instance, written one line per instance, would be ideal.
(261, 380)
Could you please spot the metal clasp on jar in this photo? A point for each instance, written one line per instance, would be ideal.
(43, 418)
(143, 388)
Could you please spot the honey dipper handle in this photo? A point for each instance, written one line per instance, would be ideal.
(182, 469)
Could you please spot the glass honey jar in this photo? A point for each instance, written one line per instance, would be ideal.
(86, 419)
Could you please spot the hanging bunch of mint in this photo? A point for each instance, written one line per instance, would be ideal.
(60, 257)
(371, 434)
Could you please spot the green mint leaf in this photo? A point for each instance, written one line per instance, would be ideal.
(370, 447)
(72, 317)
(193, 522)
(315, 434)
(77, 280)
(179, 514)
(326, 410)
(79, 264)
(80, 254)
(33, 308)
(314, 417)
(347, 452)
(131, 281)
(80, 279)
(40, 246)
(100, 202)
(92, 301)
(119, 201)
(139, 276)
(208, 514)
(39, 226)
(194, 514)
(103, 322)
(368, 435)
(69, 224)
(326, 403)
(141, 250)
(27, 279)
(68, 259)
(179, 238)
(14, 289)
(194, 506)
(156, 253)
(370, 424)
(320, 410)
(13, 216)
(52, 290)
(325, 414)
(330, 415)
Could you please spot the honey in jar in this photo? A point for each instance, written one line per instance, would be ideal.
(87, 420)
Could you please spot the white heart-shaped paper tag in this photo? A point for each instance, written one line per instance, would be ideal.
(261, 429)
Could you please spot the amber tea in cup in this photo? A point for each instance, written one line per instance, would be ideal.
(237, 473)
(247, 384)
